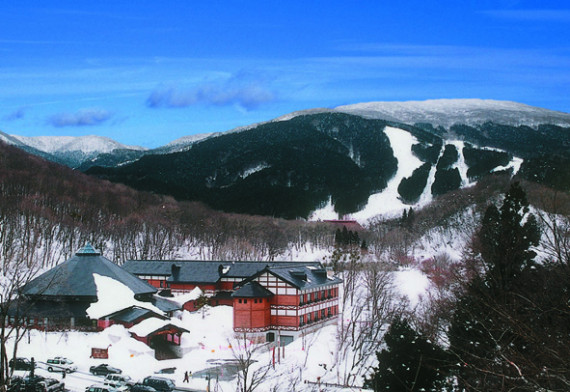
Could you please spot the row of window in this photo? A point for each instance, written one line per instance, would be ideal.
(317, 315)
(318, 296)
(255, 300)
(152, 277)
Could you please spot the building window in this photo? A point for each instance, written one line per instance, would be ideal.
(245, 301)
(239, 300)
(308, 317)
(322, 313)
(301, 320)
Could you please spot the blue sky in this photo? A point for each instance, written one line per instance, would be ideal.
(148, 72)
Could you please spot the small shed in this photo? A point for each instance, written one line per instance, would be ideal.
(155, 332)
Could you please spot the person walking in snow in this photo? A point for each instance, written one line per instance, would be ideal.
(186, 379)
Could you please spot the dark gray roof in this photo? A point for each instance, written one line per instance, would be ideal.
(164, 304)
(189, 271)
(74, 277)
(132, 314)
(303, 277)
(252, 290)
(51, 309)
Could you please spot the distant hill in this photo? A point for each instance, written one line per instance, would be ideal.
(326, 163)
(293, 166)
(72, 151)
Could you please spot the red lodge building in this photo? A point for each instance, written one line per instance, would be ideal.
(272, 301)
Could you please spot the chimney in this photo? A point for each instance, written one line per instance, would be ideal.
(175, 272)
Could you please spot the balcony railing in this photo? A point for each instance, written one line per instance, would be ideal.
(314, 301)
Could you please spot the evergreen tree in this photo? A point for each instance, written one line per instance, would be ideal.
(354, 239)
(411, 215)
(505, 240)
(338, 237)
(345, 237)
(410, 362)
(491, 325)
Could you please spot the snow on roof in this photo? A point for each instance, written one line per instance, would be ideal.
(191, 296)
(152, 324)
(113, 296)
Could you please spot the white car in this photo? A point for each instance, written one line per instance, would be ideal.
(60, 364)
(105, 388)
(117, 380)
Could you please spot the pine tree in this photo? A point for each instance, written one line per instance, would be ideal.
(490, 325)
(506, 241)
(410, 362)
(411, 215)
(338, 238)
(345, 236)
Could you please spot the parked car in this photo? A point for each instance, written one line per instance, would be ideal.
(60, 364)
(142, 388)
(105, 388)
(15, 384)
(159, 383)
(36, 384)
(50, 385)
(104, 369)
(21, 364)
(117, 380)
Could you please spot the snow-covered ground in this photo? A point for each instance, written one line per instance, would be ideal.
(386, 202)
(211, 341)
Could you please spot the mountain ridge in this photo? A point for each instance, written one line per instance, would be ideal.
(342, 158)
(294, 167)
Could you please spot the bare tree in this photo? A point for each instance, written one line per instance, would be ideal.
(13, 311)
(556, 236)
(251, 373)
(367, 308)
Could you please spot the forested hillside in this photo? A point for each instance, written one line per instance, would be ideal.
(282, 169)
(292, 167)
(48, 211)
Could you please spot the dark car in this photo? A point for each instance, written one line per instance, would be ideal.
(142, 388)
(15, 384)
(21, 364)
(104, 369)
(36, 384)
(50, 385)
(159, 383)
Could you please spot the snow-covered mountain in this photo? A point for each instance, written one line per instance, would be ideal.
(360, 159)
(329, 164)
(183, 143)
(71, 150)
(447, 112)
(86, 144)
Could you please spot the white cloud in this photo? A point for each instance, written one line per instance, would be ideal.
(83, 117)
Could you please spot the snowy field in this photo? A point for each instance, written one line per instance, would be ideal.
(210, 342)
